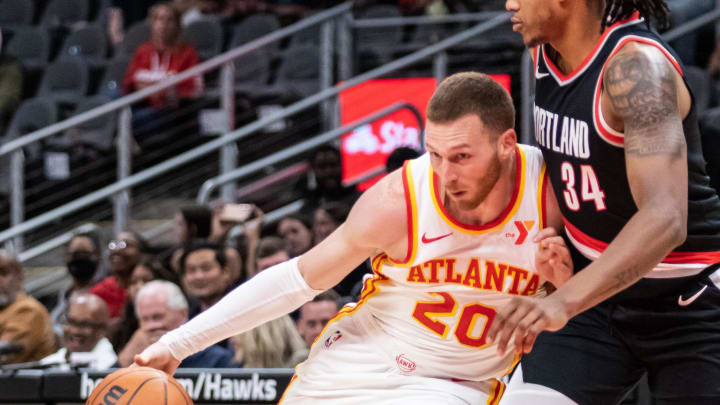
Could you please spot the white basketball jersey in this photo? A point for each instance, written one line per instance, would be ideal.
(436, 304)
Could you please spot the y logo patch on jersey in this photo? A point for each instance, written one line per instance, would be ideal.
(332, 339)
(524, 228)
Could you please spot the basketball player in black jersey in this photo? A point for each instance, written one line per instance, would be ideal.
(618, 129)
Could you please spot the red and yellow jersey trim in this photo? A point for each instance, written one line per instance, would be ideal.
(505, 215)
(287, 389)
(411, 208)
(496, 391)
(591, 56)
(516, 360)
(542, 196)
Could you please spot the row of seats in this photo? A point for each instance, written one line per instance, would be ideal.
(39, 112)
(32, 44)
(57, 13)
(67, 80)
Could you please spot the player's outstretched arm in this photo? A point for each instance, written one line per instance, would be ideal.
(371, 226)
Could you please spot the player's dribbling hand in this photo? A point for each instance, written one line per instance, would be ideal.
(157, 356)
(524, 318)
(552, 260)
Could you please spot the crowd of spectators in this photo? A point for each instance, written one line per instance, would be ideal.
(124, 294)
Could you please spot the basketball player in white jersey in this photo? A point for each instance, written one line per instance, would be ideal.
(452, 236)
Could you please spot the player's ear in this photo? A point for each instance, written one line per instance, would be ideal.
(506, 142)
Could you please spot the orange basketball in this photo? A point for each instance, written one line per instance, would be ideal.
(138, 386)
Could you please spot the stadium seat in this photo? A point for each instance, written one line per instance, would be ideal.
(112, 81)
(16, 14)
(135, 36)
(31, 45)
(310, 35)
(33, 114)
(254, 27)
(89, 43)
(98, 133)
(65, 81)
(65, 13)
(206, 36)
(379, 42)
(252, 73)
(299, 70)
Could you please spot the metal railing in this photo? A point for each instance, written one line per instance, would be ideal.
(304, 146)
(225, 61)
(164, 167)
(295, 206)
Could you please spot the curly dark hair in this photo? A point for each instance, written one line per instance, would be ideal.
(655, 10)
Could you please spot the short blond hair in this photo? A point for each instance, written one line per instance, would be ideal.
(472, 93)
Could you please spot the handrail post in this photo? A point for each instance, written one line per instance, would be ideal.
(228, 153)
(326, 73)
(440, 62)
(121, 200)
(345, 46)
(527, 99)
(17, 195)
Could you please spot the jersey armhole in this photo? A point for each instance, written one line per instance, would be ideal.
(542, 197)
(411, 215)
(607, 133)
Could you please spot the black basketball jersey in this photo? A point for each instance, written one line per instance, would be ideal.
(586, 161)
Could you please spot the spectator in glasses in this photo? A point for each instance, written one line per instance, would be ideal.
(85, 325)
(125, 251)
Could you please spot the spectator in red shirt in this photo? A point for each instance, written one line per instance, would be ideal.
(161, 57)
(125, 251)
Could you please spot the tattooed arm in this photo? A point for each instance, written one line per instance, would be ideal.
(645, 96)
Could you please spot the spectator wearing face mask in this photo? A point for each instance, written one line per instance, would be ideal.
(82, 262)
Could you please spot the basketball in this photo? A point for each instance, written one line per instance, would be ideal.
(138, 386)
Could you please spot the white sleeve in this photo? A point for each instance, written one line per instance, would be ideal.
(270, 294)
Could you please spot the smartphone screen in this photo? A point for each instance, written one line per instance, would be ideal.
(236, 212)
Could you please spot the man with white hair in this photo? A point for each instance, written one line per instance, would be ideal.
(160, 307)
